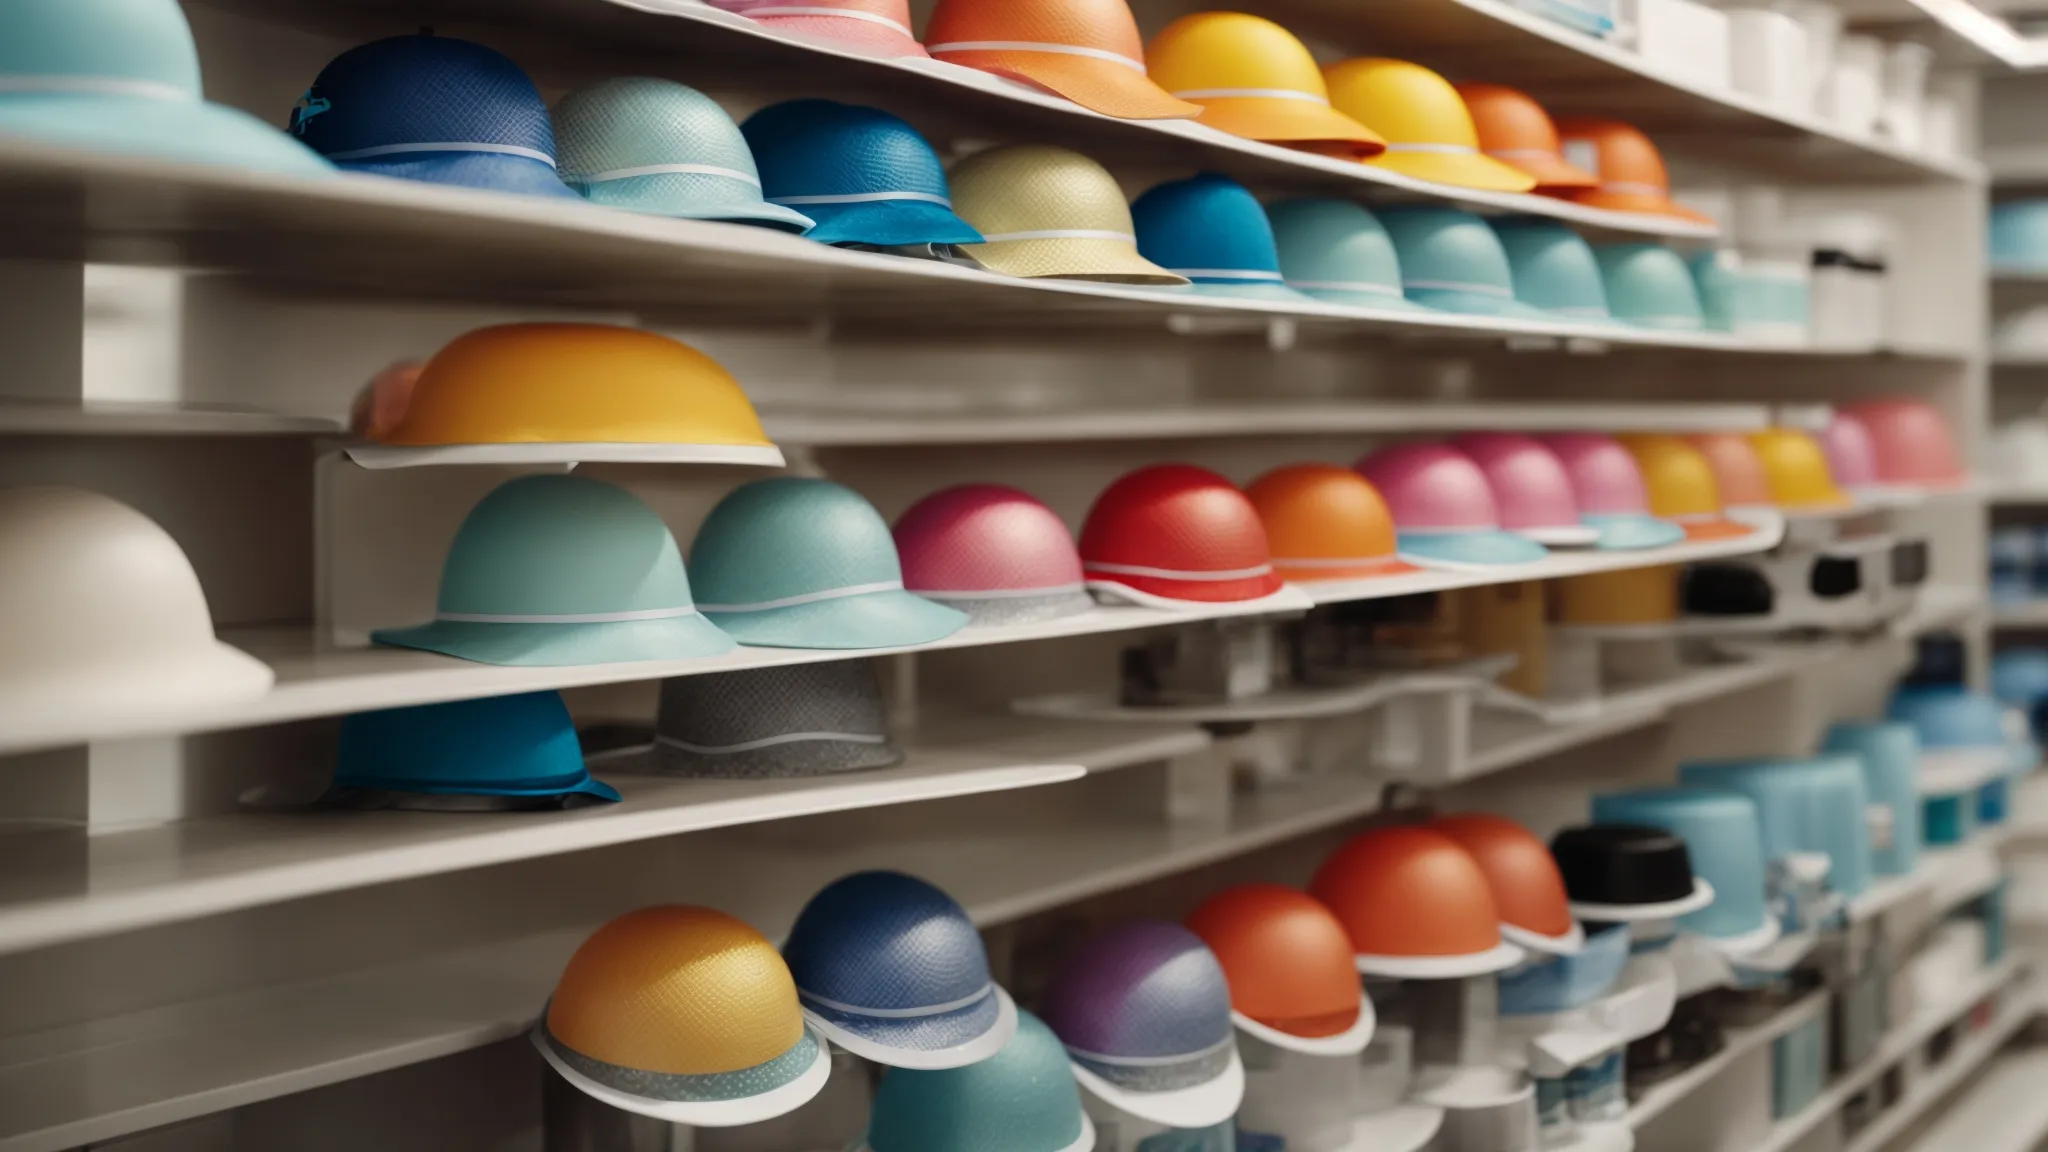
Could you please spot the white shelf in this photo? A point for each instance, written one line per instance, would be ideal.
(1940, 606)
(2005, 1111)
(2019, 494)
(2025, 614)
(1935, 1084)
(123, 418)
(1738, 1043)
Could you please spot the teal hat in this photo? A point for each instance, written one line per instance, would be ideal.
(1889, 752)
(1804, 805)
(1212, 230)
(1022, 1099)
(795, 562)
(1649, 286)
(1451, 260)
(664, 148)
(557, 569)
(122, 76)
(521, 748)
(1724, 837)
(1554, 268)
(1339, 253)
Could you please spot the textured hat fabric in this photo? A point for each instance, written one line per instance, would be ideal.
(993, 552)
(1528, 889)
(521, 747)
(1088, 51)
(1796, 469)
(775, 723)
(1415, 904)
(1451, 260)
(1429, 132)
(1529, 486)
(862, 175)
(1046, 211)
(1324, 522)
(1254, 79)
(876, 27)
(434, 109)
(1172, 533)
(1914, 443)
(1443, 507)
(1682, 487)
(1554, 268)
(1649, 286)
(1211, 230)
(1607, 485)
(1337, 252)
(1288, 962)
(1515, 130)
(1022, 1099)
(1631, 170)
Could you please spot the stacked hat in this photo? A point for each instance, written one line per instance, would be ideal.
(1631, 170)
(1622, 873)
(1724, 843)
(1211, 230)
(1172, 533)
(1530, 488)
(1681, 486)
(1252, 78)
(1415, 905)
(1608, 487)
(1051, 212)
(994, 553)
(781, 722)
(1527, 887)
(1443, 507)
(1324, 522)
(1288, 961)
(1554, 268)
(1913, 442)
(1515, 130)
(1429, 132)
(1022, 1099)
(1649, 286)
(1797, 470)
(1337, 252)
(1738, 470)
(860, 174)
(878, 27)
(1088, 51)
(1451, 260)
(521, 750)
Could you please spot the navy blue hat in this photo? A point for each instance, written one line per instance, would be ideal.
(434, 109)
(521, 747)
(1211, 229)
(863, 175)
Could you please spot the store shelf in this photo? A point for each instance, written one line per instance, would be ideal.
(2019, 495)
(2004, 1111)
(118, 418)
(2023, 614)
(1739, 1043)
(1940, 606)
(1936, 1084)
(1944, 878)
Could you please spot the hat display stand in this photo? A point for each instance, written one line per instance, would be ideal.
(1486, 1108)
(1304, 1099)
(575, 1121)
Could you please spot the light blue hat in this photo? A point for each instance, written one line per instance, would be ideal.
(1022, 1099)
(2019, 677)
(1649, 286)
(864, 176)
(663, 148)
(1337, 252)
(1890, 755)
(1451, 260)
(796, 562)
(1210, 229)
(1554, 268)
(1816, 805)
(122, 76)
(2019, 235)
(521, 747)
(1724, 838)
(557, 569)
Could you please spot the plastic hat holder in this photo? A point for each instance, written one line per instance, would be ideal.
(1021, 1099)
(992, 552)
(786, 722)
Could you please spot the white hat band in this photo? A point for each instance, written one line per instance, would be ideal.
(806, 598)
(864, 198)
(96, 86)
(1252, 93)
(564, 617)
(611, 174)
(843, 13)
(444, 146)
(1061, 234)
(986, 991)
(1179, 574)
(1036, 46)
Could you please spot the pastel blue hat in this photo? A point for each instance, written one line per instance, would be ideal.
(1451, 260)
(2019, 235)
(1962, 735)
(1554, 268)
(1022, 1099)
(522, 747)
(796, 562)
(1724, 838)
(122, 76)
(1210, 229)
(557, 569)
(1816, 805)
(1337, 252)
(434, 109)
(1890, 755)
(2019, 677)
(662, 148)
(891, 969)
(862, 175)
(1649, 286)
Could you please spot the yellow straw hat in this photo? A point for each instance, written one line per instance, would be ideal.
(1428, 129)
(1254, 79)
(1050, 212)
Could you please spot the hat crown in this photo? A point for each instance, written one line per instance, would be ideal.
(1035, 187)
(825, 148)
(1404, 102)
(1914, 444)
(1676, 475)
(146, 41)
(1330, 241)
(1553, 266)
(1322, 511)
(1507, 119)
(1432, 487)
(1408, 891)
(1804, 804)
(1795, 466)
(1105, 25)
(750, 705)
(1528, 482)
(1649, 283)
(1619, 153)
(886, 940)
(1527, 887)
(1606, 480)
(420, 90)
(1851, 456)
(1285, 956)
(1949, 716)
(1175, 517)
(1447, 248)
(791, 536)
(1022, 1099)
(562, 545)
(1142, 989)
(518, 741)
(1738, 471)
(984, 537)
(640, 122)
(1210, 50)
(1205, 224)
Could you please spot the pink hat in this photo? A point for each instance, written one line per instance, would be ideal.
(1913, 443)
(1444, 511)
(1608, 487)
(878, 27)
(1529, 487)
(1852, 457)
(995, 553)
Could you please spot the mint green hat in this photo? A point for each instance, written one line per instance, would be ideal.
(1338, 252)
(1649, 286)
(796, 562)
(1451, 260)
(556, 569)
(1554, 268)
(1022, 1099)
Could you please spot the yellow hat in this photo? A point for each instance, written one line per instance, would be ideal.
(1797, 469)
(565, 393)
(1254, 79)
(1629, 596)
(1681, 485)
(1048, 211)
(1429, 131)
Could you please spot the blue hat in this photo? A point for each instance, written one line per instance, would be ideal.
(520, 746)
(122, 76)
(864, 176)
(1649, 286)
(1812, 805)
(1451, 260)
(434, 109)
(2019, 677)
(555, 569)
(1554, 268)
(1724, 838)
(891, 969)
(2019, 235)
(796, 562)
(1889, 753)
(1210, 229)
(1963, 742)
(1022, 1099)
(1337, 252)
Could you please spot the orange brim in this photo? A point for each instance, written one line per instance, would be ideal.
(1640, 202)
(1716, 529)
(1552, 174)
(1098, 85)
(1370, 570)
(1459, 169)
(1301, 123)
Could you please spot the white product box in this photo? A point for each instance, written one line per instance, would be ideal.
(1685, 40)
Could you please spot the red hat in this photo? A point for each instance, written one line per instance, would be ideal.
(1174, 533)
(1415, 904)
(1288, 961)
(1527, 888)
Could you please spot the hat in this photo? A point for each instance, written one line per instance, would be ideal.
(1527, 887)
(632, 1021)
(1324, 522)
(1088, 51)
(1631, 171)
(1851, 456)
(567, 393)
(1621, 873)
(1337, 252)
(777, 723)
(1626, 596)
(1529, 487)
(520, 747)
(1443, 509)
(1415, 904)
(106, 625)
(1796, 469)
(1288, 961)
(436, 109)
(122, 76)
(554, 569)
(2019, 235)
(1545, 985)
(1813, 805)
(1724, 842)
(1889, 753)
(1963, 742)
(1451, 260)
(1515, 130)
(1681, 486)
(663, 148)
(1913, 442)
(797, 562)
(1554, 268)
(1649, 286)
(1168, 534)
(1738, 470)
(1429, 133)
(1253, 79)
(891, 969)
(877, 27)
(1607, 486)
(1211, 230)
(862, 175)
(1022, 1099)
(1144, 1011)
(994, 553)
(1045, 211)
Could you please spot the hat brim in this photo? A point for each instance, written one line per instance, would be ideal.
(982, 1029)
(193, 131)
(1571, 943)
(1499, 958)
(1747, 943)
(1480, 548)
(656, 196)
(888, 224)
(1176, 595)
(1478, 304)
(995, 609)
(1633, 531)
(768, 1105)
(863, 35)
(1702, 895)
(1097, 85)
(1552, 173)
(1474, 170)
(1562, 535)
(378, 457)
(1715, 528)
(563, 645)
(1114, 261)
(488, 171)
(1296, 122)
(589, 786)
(1363, 570)
(1349, 1042)
(826, 756)
(1203, 1105)
(142, 694)
(1639, 202)
(1369, 301)
(888, 619)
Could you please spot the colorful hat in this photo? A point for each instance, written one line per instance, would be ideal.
(380, 405)
(1797, 470)
(1144, 1011)
(436, 109)
(891, 969)
(1288, 961)
(520, 747)
(1529, 487)
(877, 27)
(1515, 130)
(1626, 596)
(567, 393)
(1607, 486)
(1168, 534)
(1324, 522)
(1022, 1099)
(1889, 753)
(1631, 170)
(1254, 79)
(778, 723)
(630, 1021)
(1963, 742)
(1851, 456)
(994, 553)
(2019, 235)
(1415, 904)
(1451, 260)
(1623, 873)
(1816, 805)
(554, 569)
(1086, 50)
(797, 562)
(1738, 470)
(1554, 268)
(1527, 888)
(861, 175)
(106, 625)
(122, 76)
(1681, 486)
(1429, 133)
(1913, 441)
(1443, 508)
(1649, 286)
(1211, 230)
(1724, 843)
(1337, 252)
(1045, 211)
(663, 148)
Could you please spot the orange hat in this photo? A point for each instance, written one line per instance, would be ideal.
(1292, 982)
(1681, 486)
(1737, 468)
(1324, 522)
(1254, 79)
(1415, 904)
(1527, 887)
(1632, 175)
(1086, 50)
(1513, 128)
